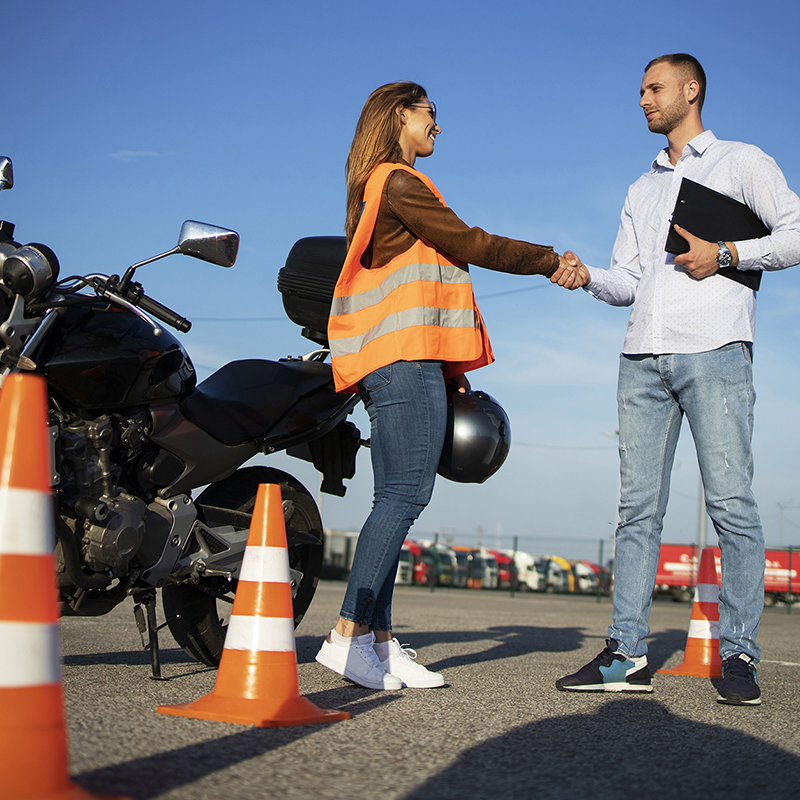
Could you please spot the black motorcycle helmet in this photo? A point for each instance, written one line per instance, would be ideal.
(478, 437)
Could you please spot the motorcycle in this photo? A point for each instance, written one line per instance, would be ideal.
(134, 437)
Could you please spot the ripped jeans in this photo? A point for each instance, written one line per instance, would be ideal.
(407, 406)
(714, 390)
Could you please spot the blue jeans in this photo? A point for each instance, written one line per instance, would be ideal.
(407, 407)
(715, 391)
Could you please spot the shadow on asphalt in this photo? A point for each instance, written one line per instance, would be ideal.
(172, 655)
(507, 641)
(663, 645)
(157, 775)
(510, 641)
(631, 747)
(178, 663)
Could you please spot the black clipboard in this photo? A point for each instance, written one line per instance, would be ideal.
(715, 217)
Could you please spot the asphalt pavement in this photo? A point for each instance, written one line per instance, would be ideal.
(497, 729)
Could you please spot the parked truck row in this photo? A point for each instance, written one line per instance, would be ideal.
(429, 563)
(433, 564)
(424, 562)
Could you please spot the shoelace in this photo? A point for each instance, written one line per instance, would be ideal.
(734, 666)
(368, 653)
(406, 652)
(605, 657)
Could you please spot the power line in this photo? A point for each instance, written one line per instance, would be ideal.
(512, 291)
(283, 319)
(240, 319)
(562, 446)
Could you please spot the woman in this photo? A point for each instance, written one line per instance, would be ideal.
(403, 322)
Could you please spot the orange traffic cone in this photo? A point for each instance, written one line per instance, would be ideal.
(32, 733)
(257, 678)
(701, 658)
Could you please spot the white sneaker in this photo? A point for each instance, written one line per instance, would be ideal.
(397, 659)
(356, 659)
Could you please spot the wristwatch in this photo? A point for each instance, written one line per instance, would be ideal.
(724, 256)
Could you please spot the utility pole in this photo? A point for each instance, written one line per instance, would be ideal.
(781, 508)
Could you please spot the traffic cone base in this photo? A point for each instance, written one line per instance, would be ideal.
(260, 712)
(701, 660)
(257, 681)
(701, 657)
(242, 694)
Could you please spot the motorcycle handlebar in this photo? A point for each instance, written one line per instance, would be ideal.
(164, 314)
(133, 296)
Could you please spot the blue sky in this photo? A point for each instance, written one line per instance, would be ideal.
(125, 119)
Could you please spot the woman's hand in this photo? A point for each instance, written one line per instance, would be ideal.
(571, 273)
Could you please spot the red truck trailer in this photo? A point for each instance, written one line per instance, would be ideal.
(781, 581)
(423, 564)
(678, 564)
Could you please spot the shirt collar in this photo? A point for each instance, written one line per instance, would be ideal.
(697, 146)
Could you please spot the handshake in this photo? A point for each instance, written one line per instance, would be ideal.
(571, 273)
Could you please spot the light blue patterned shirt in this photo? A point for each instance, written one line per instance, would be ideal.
(673, 312)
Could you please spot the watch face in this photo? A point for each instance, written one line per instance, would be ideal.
(724, 257)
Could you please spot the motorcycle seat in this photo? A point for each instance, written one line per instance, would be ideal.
(246, 400)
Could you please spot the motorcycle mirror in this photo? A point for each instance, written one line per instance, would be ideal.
(208, 242)
(6, 173)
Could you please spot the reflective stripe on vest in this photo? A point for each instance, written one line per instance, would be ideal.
(405, 275)
(420, 306)
(414, 317)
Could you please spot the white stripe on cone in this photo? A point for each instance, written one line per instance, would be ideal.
(706, 593)
(265, 565)
(274, 634)
(29, 654)
(26, 522)
(703, 629)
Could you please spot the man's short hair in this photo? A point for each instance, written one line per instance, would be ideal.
(691, 68)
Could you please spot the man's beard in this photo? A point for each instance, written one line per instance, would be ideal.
(669, 118)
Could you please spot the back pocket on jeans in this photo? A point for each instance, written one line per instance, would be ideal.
(378, 378)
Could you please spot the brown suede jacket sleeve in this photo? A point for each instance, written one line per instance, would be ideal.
(409, 210)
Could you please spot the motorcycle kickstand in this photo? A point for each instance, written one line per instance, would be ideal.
(148, 625)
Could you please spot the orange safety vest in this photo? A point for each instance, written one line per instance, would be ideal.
(418, 307)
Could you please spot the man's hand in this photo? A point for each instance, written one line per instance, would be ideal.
(701, 260)
(571, 273)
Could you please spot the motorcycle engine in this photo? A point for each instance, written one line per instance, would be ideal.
(113, 540)
(113, 519)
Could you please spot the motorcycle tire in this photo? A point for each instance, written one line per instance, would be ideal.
(191, 612)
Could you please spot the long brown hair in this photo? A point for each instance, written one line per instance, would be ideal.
(376, 141)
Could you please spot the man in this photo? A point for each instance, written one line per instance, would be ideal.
(687, 351)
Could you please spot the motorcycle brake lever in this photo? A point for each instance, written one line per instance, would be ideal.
(100, 287)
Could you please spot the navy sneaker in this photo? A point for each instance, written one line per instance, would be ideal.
(739, 685)
(610, 671)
